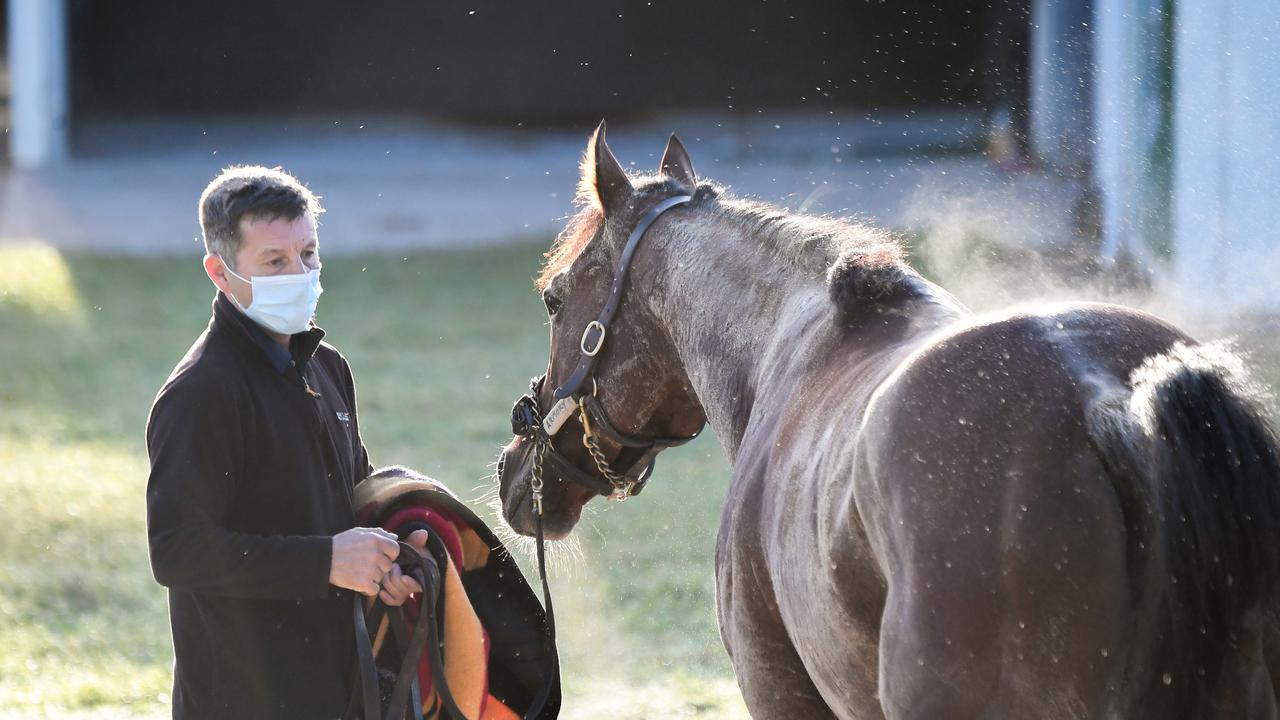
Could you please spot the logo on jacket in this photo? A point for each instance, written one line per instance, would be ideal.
(344, 417)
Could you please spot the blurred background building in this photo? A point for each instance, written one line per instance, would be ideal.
(1140, 134)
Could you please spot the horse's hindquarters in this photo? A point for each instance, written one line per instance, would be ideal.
(1008, 590)
(1002, 535)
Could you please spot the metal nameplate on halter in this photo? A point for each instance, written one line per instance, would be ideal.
(559, 412)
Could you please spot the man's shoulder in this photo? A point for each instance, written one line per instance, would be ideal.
(333, 357)
(205, 370)
(328, 349)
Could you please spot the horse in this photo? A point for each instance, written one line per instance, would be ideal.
(1065, 511)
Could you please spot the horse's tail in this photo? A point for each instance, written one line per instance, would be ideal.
(1198, 471)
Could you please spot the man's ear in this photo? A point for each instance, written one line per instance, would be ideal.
(677, 165)
(217, 272)
(603, 182)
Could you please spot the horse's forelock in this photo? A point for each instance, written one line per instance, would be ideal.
(569, 244)
(575, 236)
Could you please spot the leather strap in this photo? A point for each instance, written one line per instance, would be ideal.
(526, 422)
(424, 637)
(593, 336)
(600, 421)
(431, 632)
(400, 629)
(568, 471)
(541, 700)
(428, 575)
(368, 677)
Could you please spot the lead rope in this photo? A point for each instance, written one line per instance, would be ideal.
(535, 488)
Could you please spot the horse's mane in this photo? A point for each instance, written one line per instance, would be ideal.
(864, 266)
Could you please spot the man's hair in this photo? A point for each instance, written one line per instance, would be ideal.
(250, 192)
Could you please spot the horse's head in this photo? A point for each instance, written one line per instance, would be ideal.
(613, 378)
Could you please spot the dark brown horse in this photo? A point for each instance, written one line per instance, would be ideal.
(1063, 512)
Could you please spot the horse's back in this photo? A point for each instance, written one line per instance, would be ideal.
(1002, 395)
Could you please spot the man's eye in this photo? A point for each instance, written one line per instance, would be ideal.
(552, 302)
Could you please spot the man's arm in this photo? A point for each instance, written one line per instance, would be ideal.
(196, 448)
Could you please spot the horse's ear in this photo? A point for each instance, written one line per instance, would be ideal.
(677, 165)
(603, 183)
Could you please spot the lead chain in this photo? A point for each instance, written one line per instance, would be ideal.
(621, 487)
(535, 484)
(539, 448)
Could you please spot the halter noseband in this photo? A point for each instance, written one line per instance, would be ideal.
(528, 421)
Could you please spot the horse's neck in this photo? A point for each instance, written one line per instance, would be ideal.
(739, 318)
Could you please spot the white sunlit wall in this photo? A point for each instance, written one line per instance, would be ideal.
(1187, 147)
(1226, 178)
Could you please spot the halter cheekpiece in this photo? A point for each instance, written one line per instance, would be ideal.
(578, 396)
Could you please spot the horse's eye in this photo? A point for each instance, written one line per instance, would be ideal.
(552, 302)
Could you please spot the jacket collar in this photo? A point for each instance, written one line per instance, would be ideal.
(227, 317)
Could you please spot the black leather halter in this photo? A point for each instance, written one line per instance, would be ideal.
(528, 420)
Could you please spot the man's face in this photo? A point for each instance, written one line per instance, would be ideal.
(267, 247)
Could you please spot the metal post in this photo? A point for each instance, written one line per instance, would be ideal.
(1133, 115)
(1062, 84)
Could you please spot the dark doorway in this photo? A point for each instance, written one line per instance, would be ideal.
(498, 62)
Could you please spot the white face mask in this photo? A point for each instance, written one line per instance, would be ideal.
(282, 304)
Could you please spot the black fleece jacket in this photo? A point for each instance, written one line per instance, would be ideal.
(254, 453)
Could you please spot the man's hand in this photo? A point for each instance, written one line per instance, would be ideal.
(361, 558)
(396, 586)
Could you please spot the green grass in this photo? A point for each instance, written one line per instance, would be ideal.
(441, 343)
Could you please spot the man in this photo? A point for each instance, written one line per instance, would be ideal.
(255, 448)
